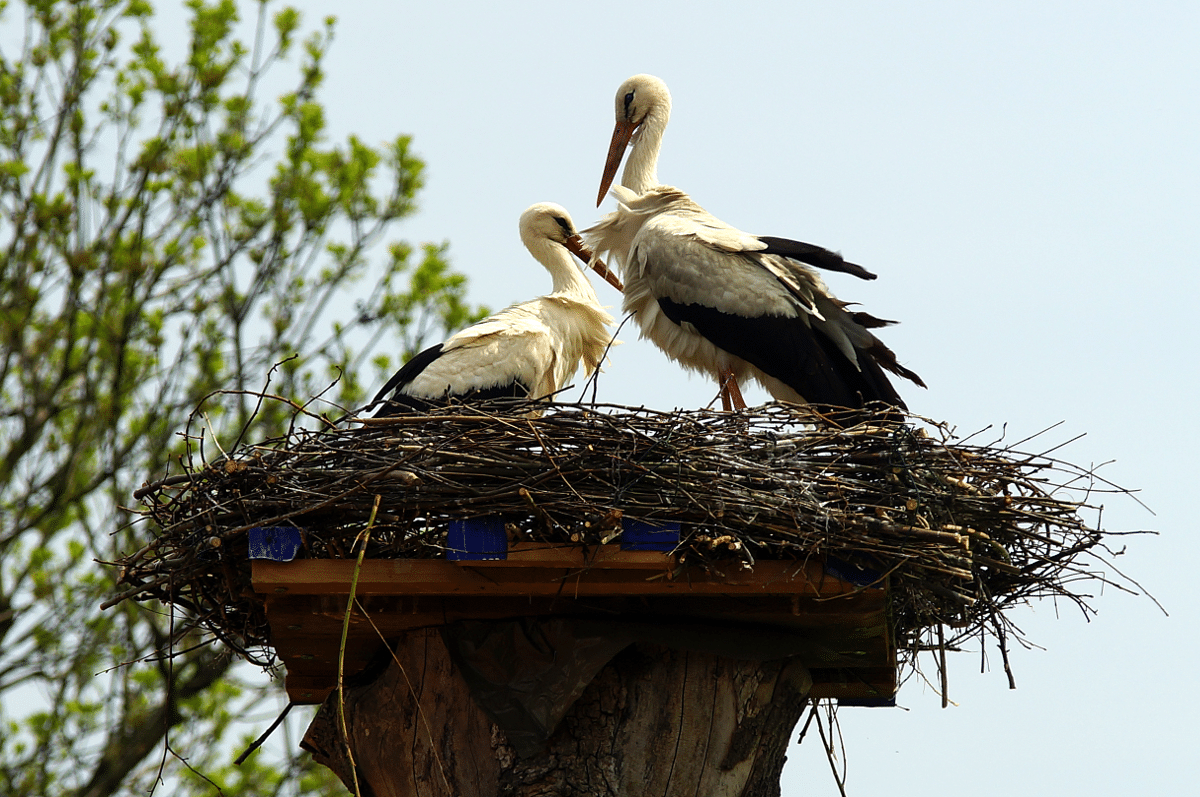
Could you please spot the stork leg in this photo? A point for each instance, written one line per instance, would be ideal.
(731, 394)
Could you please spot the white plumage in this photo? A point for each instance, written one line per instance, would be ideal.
(722, 301)
(530, 349)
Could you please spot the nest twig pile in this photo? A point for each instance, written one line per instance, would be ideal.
(961, 531)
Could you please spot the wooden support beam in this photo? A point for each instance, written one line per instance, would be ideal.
(301, 614)
(576, 556)
(305, 601)
(858, 682)
(564, 575)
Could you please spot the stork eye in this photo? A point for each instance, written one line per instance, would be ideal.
(566, 225)
(628, 102)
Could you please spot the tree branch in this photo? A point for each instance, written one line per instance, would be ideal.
(130, 745)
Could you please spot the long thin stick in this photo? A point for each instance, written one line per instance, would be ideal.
(942, 665)
(829, 755)
(265, 735)
(366, 538)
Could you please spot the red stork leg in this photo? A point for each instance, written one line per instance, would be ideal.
(731, 394)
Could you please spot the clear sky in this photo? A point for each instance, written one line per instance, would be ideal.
(1025, 179)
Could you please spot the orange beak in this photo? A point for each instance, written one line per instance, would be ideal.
(577, 247)
(616, 150)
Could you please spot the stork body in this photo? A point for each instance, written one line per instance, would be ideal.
(722, 301)
(528, 350)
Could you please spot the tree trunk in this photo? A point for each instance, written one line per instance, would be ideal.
(655, 720)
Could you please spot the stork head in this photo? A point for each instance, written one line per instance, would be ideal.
(545, 224)
(546, 221)
(641, 101)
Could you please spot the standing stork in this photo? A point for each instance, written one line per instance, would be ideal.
(528, 350)
(725, 302)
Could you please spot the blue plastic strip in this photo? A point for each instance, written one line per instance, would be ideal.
(638, 535)
(277, 543)
(480, 538)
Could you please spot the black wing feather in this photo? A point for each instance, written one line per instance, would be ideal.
(813, 255)
(792, 352)
(401, 401)
(407, 373)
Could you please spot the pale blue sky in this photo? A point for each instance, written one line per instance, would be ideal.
(1025, 179)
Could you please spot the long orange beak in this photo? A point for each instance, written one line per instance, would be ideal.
(616, 150)
(578, 248)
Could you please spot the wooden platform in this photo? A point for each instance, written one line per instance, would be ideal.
(840, 631)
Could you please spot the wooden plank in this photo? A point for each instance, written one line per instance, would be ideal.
(299, 614)
(316, 648)
(307, 690)
(857, 682)
(314, 626)
(440, 577)
(871, 683)
(577, 557)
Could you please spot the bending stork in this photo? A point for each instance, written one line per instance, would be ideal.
(529, 350)
(722, 301)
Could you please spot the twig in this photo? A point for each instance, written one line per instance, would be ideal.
(341, 690)
(265, 735)
(829, 756)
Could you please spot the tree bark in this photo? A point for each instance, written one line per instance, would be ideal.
(654, 720)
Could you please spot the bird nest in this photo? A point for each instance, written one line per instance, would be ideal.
(960, 531)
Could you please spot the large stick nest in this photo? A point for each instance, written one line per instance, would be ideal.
(961, 531)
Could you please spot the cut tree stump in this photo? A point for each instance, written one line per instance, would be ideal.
(655, 720)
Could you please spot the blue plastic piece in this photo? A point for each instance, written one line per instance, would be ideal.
(277, 543)
(478, 538)
(638, 535)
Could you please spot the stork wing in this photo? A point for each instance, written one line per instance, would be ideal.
(512, 345)
(526, 356)
(409, 371)
(680, 264)
(792, 351)
(509, 354)
(811, 254)
(705, 261)
(724, 236)
(757, 306)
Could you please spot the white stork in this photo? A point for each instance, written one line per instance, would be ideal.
(722, 301)
(530, 349)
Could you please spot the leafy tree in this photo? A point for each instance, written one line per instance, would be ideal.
(164, 233)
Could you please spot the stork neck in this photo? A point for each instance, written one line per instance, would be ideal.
(567, 277)
(641, 170)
